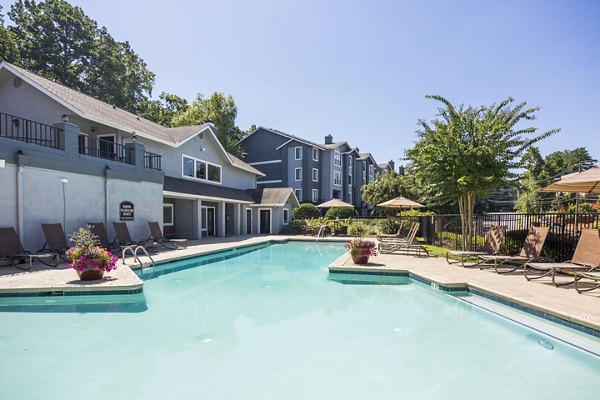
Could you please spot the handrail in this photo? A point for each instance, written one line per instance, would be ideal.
(24, 130)
(152, 160)
(125, 249)
(109, 150)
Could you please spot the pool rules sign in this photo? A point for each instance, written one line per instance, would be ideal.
(126, 211)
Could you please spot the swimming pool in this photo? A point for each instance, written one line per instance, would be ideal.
(271, 323)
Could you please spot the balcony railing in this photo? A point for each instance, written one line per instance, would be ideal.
(152, 160)
(17, 128)
(107, 150)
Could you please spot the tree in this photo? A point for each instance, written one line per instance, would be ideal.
(389, 186)
(163, 110)
(467, 152)
(9, 48)
(222, 111)
(341, 212)
(306, 211)
(60, 42)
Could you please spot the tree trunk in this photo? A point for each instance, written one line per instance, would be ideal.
(466, 206)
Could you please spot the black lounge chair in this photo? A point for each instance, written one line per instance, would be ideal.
(99, 231)
(56, 240)
(12, 250)
(157, 236)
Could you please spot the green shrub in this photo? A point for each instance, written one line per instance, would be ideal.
(389, 226)
(358, 229)
(341, 212)
(306, 211)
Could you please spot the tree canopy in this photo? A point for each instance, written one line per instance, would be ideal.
(389, 186)
(466, 152)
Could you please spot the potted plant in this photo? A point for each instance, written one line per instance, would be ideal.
(361, 250)
(86, 258)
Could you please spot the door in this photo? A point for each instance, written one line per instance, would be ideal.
(210, 221)
(265, 221)
(248, 221)
(106, 146)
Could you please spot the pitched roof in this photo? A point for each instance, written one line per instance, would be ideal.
(286, 135)
(364, 156)
(178, 185)
(96, 110)
(335, 145)
(384, 166)
(273, 196)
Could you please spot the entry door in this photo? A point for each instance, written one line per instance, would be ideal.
(248, 221)
(210, 221)
(265, 221)
(107, 146)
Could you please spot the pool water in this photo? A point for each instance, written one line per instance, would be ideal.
(273, 324)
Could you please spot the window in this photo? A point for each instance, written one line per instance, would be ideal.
(298, 174)
(298, 153)
(315, 195)
(315, 175)
(350, 165)
(337, 158)
(168, 217)
(286, 216)
(199, 169)
(364, 171)
(298, 194)
(83, 140)
(315, 154)
(337, 178)
(350, 194)
(371, 169)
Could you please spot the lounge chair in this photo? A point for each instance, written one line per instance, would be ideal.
(157, 235)
(594, 276)
(493, 239)
(585, 259)
(56, 240)
(406, 245)
(12, 250)
(99, 231)
(123, 236)
(397, 235)
(531, 251)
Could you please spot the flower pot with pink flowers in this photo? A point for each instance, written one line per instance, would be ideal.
(89, 260)
(361, 250)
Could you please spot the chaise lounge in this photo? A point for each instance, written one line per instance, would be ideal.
(12, 251)
(157, 236)
(494, 238)
(56, 240)
(406, 245)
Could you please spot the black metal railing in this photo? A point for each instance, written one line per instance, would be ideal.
(445, 230)
(17, 128)
(152, 161)
(108, 150)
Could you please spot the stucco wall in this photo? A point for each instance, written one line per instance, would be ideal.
(8, 196)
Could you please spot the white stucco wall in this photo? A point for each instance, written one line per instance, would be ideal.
(8, 196)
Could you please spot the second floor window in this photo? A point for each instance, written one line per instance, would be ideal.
(298, 153)
(315, 175)
(315, 195)
(315, 154)
(337, 178)
(298, 174)
(350, 165)
(298, 194)
(200, 169)
(371, 170)
(337, 158)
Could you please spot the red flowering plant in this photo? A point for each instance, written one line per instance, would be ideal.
(87, 255)
(368, 247)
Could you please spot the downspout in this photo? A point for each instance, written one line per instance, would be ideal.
(106, 198)
(20, 189)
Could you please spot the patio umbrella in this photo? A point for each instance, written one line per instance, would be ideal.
(579, 182)
(400, 202)
(334, 203)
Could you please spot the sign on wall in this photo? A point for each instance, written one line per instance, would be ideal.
(126, 211)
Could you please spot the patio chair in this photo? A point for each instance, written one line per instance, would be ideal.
(594, 276)
(56, 240)
(157, 235)
(531, 251)
(493, 239)
(99, 231)
(123, 236)
(585, 259)
(396, 235)
(406, 245)
(12, 250)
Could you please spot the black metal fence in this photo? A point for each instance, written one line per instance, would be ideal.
(152, 161)
(22, 129)
(446, 231)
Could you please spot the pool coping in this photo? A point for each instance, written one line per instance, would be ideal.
(538, 310)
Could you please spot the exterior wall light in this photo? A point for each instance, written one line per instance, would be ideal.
(65, 118)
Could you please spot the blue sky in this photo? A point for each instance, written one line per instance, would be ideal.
(360, 70)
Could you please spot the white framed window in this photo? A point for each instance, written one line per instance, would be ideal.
(298, 193)
(315, 154)
(371, 170)
(337, 158)
(298, 153)
(337, 178)
(315, 175)
(350, 165)
(168, 214)
(84, 143)
(195, 168)
(286, 216)
(349, 193)
(315, 195)
(298, 174)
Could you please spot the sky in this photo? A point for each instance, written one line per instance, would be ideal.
(360, 70)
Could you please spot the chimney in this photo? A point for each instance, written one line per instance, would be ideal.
(329, 139)
(392, 165)
(401, 170)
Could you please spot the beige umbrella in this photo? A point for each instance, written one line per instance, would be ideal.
(579, 182)
(334, 203)
(400, 202)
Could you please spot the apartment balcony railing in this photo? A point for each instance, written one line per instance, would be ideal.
(17, 128)
(107, 150)
(152, 161)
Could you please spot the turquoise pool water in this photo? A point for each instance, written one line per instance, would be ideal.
(273, 324)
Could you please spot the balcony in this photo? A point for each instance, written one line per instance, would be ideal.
(24, 130)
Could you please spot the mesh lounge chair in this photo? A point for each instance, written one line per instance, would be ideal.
(406, 245)
(585, 259)
(594, 276)
(494, 238)
(157, 235)
(123, 236)
(12, 250)
(99, 231)
(531, 251)
(397, 235)
(55, 239)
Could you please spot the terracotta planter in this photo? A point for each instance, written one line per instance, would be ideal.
(92, 274)
(358, 257)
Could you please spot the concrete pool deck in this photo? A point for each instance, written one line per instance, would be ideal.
(541, 295)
